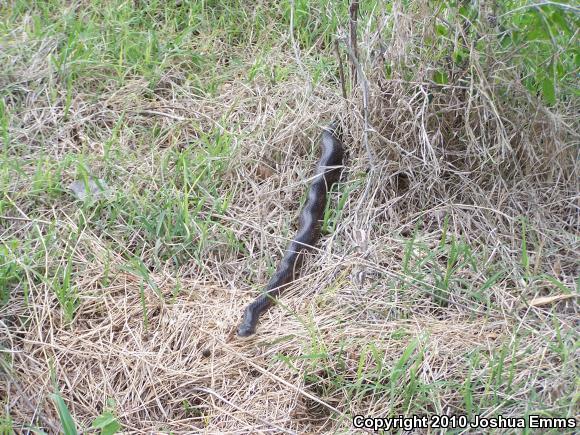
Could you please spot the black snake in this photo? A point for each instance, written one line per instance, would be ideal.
(327, 173)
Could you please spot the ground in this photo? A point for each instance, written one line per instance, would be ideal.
(445, 283)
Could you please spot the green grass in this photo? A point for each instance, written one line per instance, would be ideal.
(6, 427)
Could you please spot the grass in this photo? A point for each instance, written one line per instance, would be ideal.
(447, 278)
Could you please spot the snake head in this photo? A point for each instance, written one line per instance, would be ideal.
(248, 325)
(245, 331)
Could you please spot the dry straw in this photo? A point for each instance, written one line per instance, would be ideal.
(472, 156)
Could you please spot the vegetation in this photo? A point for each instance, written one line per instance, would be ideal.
(448, 279)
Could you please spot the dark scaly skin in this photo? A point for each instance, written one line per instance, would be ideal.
(327, 173)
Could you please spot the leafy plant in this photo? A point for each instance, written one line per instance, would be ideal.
(107, 423)
(543, 38)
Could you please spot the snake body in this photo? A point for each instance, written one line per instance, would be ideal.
(327, 173)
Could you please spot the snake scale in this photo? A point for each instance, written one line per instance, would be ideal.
(327, 173)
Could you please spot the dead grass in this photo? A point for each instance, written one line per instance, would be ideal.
(419, 302)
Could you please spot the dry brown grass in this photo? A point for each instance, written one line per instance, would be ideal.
(479, 153)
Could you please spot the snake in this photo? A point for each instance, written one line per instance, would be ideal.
(326, 174)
